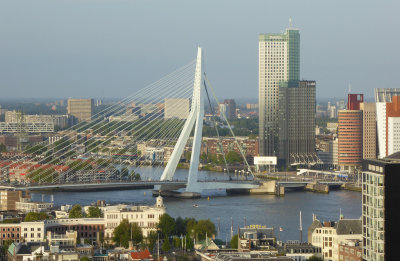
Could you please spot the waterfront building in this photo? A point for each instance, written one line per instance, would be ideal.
(369, 129)
(9, 198)
(350, 134)
(81, 109)
(146, 217)
(328, 153)
(25, 205)
(296, 121)
(214, 145)
(380, 212)
(382, 97)
(329, 235)
(279, 61)
(257, 238)
(176, 108)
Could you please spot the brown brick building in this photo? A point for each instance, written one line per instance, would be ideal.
(249, 146)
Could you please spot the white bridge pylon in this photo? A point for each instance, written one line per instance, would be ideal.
(195, 118)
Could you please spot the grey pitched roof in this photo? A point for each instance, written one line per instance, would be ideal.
(315, 224)
(26, 248)
(349, 226)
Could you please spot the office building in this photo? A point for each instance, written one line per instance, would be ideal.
(382, 97)
(279, 61)
(176, 108)
(81, 109)
(350, 134)
(369, 129)
(296, 122)
(393, 126)
(350, 139)
(380, 197)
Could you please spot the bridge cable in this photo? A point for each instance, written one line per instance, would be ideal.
(229, 126)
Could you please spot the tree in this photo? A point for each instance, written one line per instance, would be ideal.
(32, 216)
(76, 211)
(152, 238)
(85, 258)
(124, 172)
(252, 136)
(234, 241)
(37, 149)
(166, 246)
(314, 258)
(125, 232)
(176, 242)
(5, 246)
(190, 224)
(135, 176)
(180, 227)
(203, 228)
(136, 234)
(166, 225)
(94, 212)
(232, 157)
(188, 155)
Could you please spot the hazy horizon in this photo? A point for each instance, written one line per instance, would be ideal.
(104, 48)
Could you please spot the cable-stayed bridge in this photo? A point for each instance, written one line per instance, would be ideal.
(162, 121)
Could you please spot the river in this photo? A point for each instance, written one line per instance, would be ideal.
(268, 210)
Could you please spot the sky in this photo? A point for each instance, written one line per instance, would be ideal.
(112, 48)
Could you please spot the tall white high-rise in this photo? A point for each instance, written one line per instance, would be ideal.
(382, 97)
(279, 61)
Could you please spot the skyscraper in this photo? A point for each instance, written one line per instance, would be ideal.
(296, 122)
(279, 61)
(382, 98)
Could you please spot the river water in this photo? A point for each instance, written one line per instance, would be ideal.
(268, 210)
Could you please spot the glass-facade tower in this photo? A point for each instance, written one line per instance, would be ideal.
(279, 61)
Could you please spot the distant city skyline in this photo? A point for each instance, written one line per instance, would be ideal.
(109, 49)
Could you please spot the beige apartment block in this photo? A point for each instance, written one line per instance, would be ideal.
(369, 129)
(176, 108)
(82, 109)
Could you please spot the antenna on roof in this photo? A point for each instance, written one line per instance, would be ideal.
(349, 87)
(290, 22)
